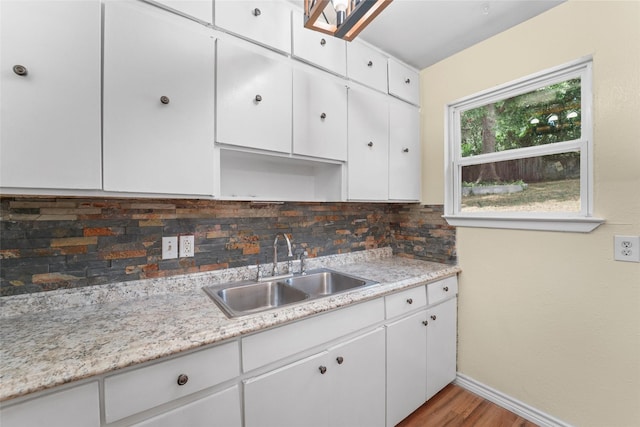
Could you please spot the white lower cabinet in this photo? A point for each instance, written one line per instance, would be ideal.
(219, 409)
(342, 386)
(73, 407)
(406, 366)
(441, 346)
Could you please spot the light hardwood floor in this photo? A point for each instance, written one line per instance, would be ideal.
(457, 407)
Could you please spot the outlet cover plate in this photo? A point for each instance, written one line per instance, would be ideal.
(170, 247)
(186, 246)
(626, 248)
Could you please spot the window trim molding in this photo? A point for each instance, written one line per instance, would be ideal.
(583, 221)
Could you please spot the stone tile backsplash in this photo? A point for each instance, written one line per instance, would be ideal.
(50, 243)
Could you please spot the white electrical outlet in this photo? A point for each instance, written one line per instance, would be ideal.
(170, 247)
(186, 246)
(626, 248)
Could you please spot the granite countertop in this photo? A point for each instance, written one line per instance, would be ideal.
(57, 337)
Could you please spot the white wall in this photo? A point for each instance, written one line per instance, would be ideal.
(549, 318)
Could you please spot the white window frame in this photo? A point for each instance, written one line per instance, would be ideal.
(551, 221)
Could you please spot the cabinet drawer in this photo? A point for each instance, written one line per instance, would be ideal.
(367, 66)
(319, 49)
(442, 289)
(405, 301)
(265, 22)
(272, 345)
(141, 389)
(404, 82)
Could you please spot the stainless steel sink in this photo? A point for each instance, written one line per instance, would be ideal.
(242, 298)
(323, 283)
(250, 298)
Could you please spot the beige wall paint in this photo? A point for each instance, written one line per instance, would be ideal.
(549, 318)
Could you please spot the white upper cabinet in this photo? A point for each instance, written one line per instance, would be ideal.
(158, 101)
(319, 115)
(267, 22)
(367, 66)
(254, 98)
(201, 10)
(404, 82)
(319, 49)
(368, 173)
(404, 152)
(50, 94)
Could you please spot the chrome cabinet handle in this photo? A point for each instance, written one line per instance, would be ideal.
(323, 116)
(20, 70)
(182, 379)
(407, 81)
(425, 323)
(323, 42)
(409, 300)
(405, 150)
(370, 144)
(370, 64)
(446, 289)
(258, 98)
(256, 12)
(433, 317)
(323, 369)
(164, 99)
(340, 360)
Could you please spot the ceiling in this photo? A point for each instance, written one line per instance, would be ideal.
(423, 32)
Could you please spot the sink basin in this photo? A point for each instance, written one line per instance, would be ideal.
(250, 298)
(242, 298)
(325, 282)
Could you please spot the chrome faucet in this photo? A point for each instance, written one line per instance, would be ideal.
(275, 251)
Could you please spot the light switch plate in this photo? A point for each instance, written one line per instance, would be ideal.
(170, 247)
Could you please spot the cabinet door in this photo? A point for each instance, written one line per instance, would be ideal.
(267, 22)
(74, 407)
(357, 396)
(319, 116)
(158, 101)
(254, 99)
(441, 346)
(199, 9)
(404, 82)
(319, 49)
(367, 66)
(222, 408)
(293, 395)
(404, 152)
(406, 366)
(50, 94)
(368, 174)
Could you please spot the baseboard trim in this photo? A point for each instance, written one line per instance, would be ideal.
(517, 407)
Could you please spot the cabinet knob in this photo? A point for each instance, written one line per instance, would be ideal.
(433, 317)
(425, 323)
(446, 289)
(182, 379)
(405, 150)
(323, 116)
(370, 144)
(256, 12)
(164, 99)
(370, 64)
(20, 70)
(339, 359)
(258, 98)
(323, 42)
(409, 300)
(323, 369)
(407, 81)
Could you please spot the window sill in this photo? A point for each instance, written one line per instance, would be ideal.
(565, 224)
